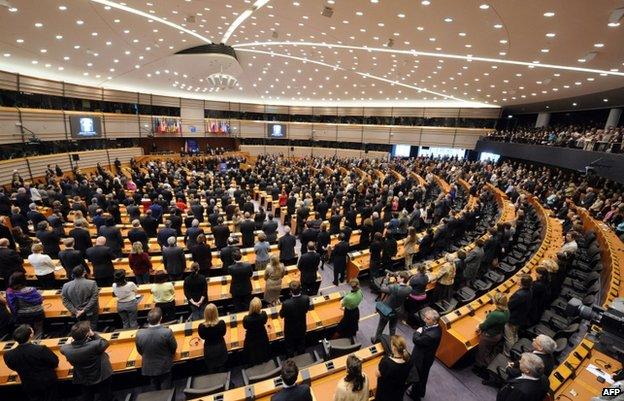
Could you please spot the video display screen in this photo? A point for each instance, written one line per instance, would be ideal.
(276, 130)
(85, 127)
(401, 150)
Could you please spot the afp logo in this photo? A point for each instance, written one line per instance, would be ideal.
(611, 391)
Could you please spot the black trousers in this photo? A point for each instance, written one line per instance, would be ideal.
(290, 262)
(161, 382)
(310, 289)
(339, 274)
(168, 310)
(103, 388)
(47, 281)
(241, 303)
(50, 393)
(295, 344)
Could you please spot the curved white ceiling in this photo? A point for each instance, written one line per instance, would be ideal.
(382, 53)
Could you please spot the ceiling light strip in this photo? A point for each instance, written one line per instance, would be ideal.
(151, 17)
(431, 54)
(241, 18)
(366, 75)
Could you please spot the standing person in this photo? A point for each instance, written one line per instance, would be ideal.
(101, 258)
(519, 308)
(163, 293)
(389, 251)
(140, 263)
(446, 279)
(426, 341)
(113, 236)
(532, 385)
(25, 303)
(138, 234)
(473, 262)
(353, 387)
(44, 267)
(35, 364)
(10, 261)
(410, 247)
(308, 267)
(273, 276)
(80, 297)
(91, 365)
(269, 228)
(291, 391)
(397, 291)
(212, 331)
(240, 286)
(81, 236)
(49, 239)
(393, 370)
(127, 301)
(376, 246)
(349, 324)
(70, 257)
(196, 292)
(490, 334)
(339, 256)
(262, 250)
(256, 346)
(322, 242)
(174, 259)
(247, 228)
(286, 245)
(157, 345)
(294, 311)
(202, 254)
(221, 233)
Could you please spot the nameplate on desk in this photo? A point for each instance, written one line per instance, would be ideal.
(373, 350)
(115, 335)
(233, 321)
(188, 329)
(130, 364)
(329, 365)
(250, 395)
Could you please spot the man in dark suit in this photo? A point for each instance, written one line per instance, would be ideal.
(134, 212)
(157, 345)
(269, 227)
(176, 221)
(519, 306)
(294, 311)
(532, 385)
(35, 365)
(70, 257)
(247, 228)
(308, 266)
(240, 286)
(101, 258)
(339, 255)
(19, 220)
(34, 216)
(292, 391)
(111, 232)
(286, 245)
(49, 239)
(198, 210)
(91, 365)
(543, 347)
(10, 261)
(308, 235)
(226, 254)
(5, 232)
(194, 231)
(165, 233)
(174, 259)
(81, 236)
(426, 341)
(221, 233)
(149, 224)
(138, 234)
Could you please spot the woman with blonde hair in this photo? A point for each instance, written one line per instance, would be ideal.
(256, 346)
(491, 332)
(140, 263)
(212, 331)
(273, 275)
(411, 247)
(393, 369)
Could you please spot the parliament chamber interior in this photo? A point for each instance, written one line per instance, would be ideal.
(329, 200)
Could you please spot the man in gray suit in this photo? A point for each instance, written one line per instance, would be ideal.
(80, 297)
(473, 262)
(173, 259)
(157, 345)
(92, 367)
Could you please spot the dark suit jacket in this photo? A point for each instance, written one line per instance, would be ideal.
(150, 225)
(221, 234)
(202, 254)
(308, 266)
(294, 312)
(71, 258)
(138, 235)
(299, 392)
(191, 236)
(241, 273)
(519, 307)
(164, 234)
(523, 390)
(5, 232)
(270, 229)
(89, 359)
(286, 245)
(174, 260)
(114, 240)
(10, 262)
(51, 242)
(35, 365)
(82, 239)
(339, 254)
(307, 235)
(157, 345)
(101, 257)
(425, 347)
(247, 228)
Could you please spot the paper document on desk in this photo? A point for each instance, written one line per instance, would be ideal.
(596, 371)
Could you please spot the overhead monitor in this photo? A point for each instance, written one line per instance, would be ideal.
(276, 131)
(489, 157)
(427, 151)
(401, 150)
(85, 127)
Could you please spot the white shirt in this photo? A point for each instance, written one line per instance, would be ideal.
(569, 247)
(42, 263)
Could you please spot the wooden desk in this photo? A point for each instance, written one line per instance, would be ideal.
(124, 356)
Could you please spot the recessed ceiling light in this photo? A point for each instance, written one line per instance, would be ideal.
(551, 35)
(420, 28)
(498, 26)
(462, 34)
(448, 19)
(359, 13)
(38, 24)
(12, 10)
(574, 104)
(19, 40)
(432, 39)
(425, 2)
(372, 1)
(35, 62)
(77, 47)
(613, 24)
(43, 50)
(503, 41)
(605, 100)
(401, 15)
(94, 34)
(581, 60)
(484, 6)
(549, 14)
(599, 45)
(62, 8)
(80, 22)
(295, 3)
(7, 54)
(59, 37)
(544, 50)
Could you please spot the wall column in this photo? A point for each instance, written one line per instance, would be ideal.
(614, 118)
(542, 120)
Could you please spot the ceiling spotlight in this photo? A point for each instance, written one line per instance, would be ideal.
(498, 26)
(424, 2)
(484, 6)
(374, 1)
(448, 19)
(605, 100)
(551, 35)
(221, 81)
(574, 104)
(598, 45)
(549, 14)
(616, 17)
(12, 9)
